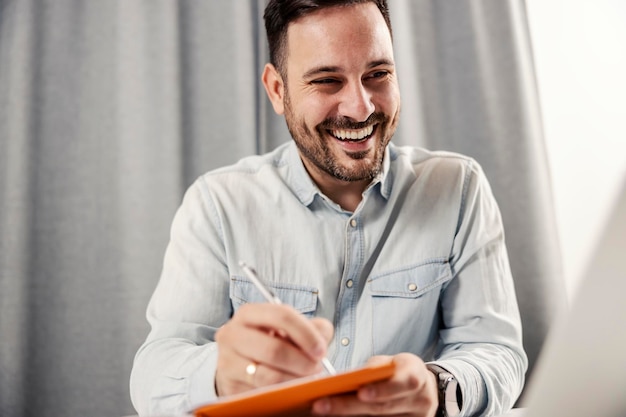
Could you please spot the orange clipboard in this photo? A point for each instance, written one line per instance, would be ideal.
(296, 396)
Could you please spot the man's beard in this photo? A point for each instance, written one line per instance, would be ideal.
(314, 146)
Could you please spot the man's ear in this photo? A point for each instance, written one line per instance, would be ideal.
(274, 87)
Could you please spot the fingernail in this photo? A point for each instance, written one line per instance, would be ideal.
(318, 351)
(321, 406)
(368, 393)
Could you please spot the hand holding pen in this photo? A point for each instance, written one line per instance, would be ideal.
(268, 343)
(270, 297)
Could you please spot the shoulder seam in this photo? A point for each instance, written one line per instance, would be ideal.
(466, 180)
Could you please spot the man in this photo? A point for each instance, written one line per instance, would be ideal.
(377, 251)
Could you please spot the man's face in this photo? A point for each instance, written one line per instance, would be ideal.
(341, 97)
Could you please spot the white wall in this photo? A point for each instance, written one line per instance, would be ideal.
(580, 57)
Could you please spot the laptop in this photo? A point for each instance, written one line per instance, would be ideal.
(582, 370)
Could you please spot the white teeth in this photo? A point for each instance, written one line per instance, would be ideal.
(353, 134)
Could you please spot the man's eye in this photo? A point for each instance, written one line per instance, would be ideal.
(325, 81)
(379, 74)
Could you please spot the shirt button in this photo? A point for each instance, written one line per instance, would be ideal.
(350, 283)
(412, 287)
(353, 222)
(345, 341)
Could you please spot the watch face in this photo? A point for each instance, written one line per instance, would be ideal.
(451, 396)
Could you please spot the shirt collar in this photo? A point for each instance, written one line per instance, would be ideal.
(305, 188)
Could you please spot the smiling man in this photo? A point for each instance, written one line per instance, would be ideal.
(335, 82)
(377, 251)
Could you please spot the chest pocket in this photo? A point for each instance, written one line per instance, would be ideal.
(404, 308)
(411, 282)
(300, 297)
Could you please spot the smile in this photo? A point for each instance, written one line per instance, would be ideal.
(352, 135)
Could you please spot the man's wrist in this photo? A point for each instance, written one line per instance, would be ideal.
(449, 392)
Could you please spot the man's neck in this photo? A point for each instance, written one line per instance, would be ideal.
(348, 194)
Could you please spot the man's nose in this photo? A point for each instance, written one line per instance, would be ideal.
(356, 102)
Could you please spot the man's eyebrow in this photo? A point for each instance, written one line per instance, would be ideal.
(330, 69)
(320, 70)
(383, 62)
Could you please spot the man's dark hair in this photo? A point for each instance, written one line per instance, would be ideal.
(279, 13)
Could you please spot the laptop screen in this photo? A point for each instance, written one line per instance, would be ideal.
(582, 370)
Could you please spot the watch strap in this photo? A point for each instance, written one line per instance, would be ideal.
(450, 402)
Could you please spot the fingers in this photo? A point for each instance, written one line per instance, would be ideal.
(379, 359)
(261, 346)
(243, 374)
(287, 323)
(325, 328)
(411, 391)
(279, 341)
(411, 376)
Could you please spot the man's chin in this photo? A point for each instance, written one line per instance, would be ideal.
(358, 166)
(355, 173)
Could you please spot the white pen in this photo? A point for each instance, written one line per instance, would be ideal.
(273, 299)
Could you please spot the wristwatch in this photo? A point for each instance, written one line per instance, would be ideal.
(450, 396)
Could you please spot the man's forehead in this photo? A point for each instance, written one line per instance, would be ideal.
(322, 20)
(321, 40)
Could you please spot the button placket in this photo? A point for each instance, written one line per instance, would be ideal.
(345, 329)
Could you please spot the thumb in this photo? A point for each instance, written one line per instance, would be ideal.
(379, 359)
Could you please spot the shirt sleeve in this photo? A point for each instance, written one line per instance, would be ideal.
(482, 332)
(174, 369)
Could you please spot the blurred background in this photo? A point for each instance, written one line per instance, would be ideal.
(580, 61)
(110, 109)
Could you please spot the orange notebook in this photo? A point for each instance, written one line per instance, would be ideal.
(294, 397)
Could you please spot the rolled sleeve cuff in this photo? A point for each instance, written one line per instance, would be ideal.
(472, 385)
(202, 380)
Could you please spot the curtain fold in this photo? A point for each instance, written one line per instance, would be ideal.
(472, 89)
(109, 110)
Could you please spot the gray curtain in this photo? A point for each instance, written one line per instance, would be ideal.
(110, 109)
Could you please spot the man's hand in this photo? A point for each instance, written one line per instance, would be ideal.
(412, 391)
(275, 341)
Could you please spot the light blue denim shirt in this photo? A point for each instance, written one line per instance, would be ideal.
(420, 266)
